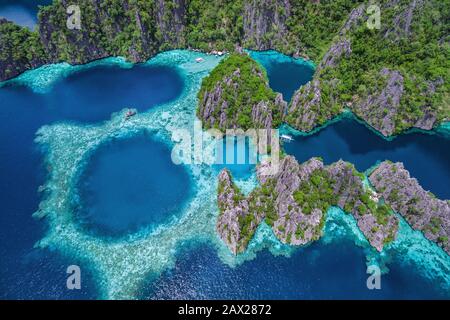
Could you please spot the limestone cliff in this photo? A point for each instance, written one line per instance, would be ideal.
(265, 24)
(236, 95)
(20, 49)
(294, 202)
(421, 209)
(382, 90)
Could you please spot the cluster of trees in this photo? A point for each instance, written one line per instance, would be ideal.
(249, 87)
(140, 28)
(420, 54)
(18, 46)
(316, 193)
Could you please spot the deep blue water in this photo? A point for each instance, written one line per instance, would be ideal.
(132, 183)
(285, 74)
(427, 157)
(323, 271)
(89, 96)
(320, 271)
(236, 154)
(22, 12)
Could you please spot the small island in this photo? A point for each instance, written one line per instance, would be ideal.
(294, 203)
(236, 95)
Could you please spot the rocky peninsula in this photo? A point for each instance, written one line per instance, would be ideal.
(421, 209)
(294, 203)
(236, 95)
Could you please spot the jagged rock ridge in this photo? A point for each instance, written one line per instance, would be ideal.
(294, 203)
(421, 209)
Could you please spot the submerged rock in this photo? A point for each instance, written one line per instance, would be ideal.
(421, 209)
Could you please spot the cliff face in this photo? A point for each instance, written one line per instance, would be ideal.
(295, 200)
(384, 91)
(135, 30)
(375, 221)
(108, 28)
(20, 49)
(237, 222)
(171, 23)
(309, 107)
(420, 208)
(265, 24)
(294, 203)
(367, 71)
(237, 96)
(381, 108)
(139, 29)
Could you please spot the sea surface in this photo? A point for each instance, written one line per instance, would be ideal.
(86, 97)
(22, 12)
(320, 271)
(131, 183)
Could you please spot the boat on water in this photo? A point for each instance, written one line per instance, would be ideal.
(286, 137)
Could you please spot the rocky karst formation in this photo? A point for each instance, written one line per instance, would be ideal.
(265, 24)
(402, 22)
(127, 28)
(383, 76)
(309, 107)
(421, 209)
(294, 202)
(380, 108)
(389, 98)
(236, 95)
(139, 29)
(171, 23)
(18, 53)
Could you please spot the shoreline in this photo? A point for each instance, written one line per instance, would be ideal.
(145, 252)
(65, 69)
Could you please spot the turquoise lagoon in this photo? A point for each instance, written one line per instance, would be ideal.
(167, 247)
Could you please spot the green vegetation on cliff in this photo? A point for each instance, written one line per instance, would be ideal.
(407, 58)
(316, 193)
(18, 47)
(232, 90)
(418, 51)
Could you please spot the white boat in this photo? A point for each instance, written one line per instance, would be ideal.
(287, 138)
(199, 60)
